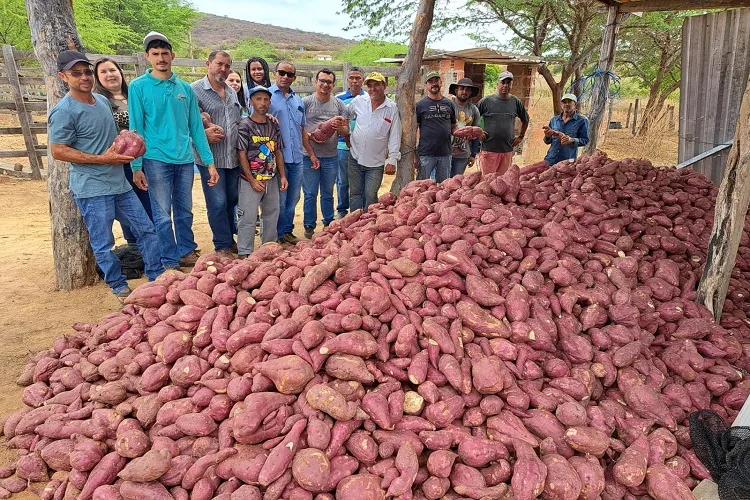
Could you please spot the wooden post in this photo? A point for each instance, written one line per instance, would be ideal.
(609, 120)
(670, 112)
(405, 95)
(729, 216)
(23, 116)
(601, 83)
(53, 30)
(635, 116)
(140, 63)
(630, 110)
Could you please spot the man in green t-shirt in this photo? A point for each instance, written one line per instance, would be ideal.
(499, 112)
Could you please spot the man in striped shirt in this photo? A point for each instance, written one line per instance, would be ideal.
(220, 101)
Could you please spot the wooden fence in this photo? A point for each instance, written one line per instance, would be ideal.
(23, 94)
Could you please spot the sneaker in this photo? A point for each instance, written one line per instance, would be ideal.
(190, 259)
(290, 239)
(309, 231)
(233, 248)
(122, 294)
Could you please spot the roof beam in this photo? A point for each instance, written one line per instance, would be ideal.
(658, 5)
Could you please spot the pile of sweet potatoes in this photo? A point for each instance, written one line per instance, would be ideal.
(533, 334)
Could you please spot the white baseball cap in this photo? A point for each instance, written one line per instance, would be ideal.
(569, 97)
(504, 76)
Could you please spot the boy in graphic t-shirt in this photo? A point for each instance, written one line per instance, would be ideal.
(262, 178)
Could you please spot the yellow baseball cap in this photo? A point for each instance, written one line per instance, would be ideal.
(375, 77)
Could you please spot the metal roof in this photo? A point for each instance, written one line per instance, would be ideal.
(656, 5)
(481, 55)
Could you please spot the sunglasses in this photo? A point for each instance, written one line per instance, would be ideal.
(290, 74)
(325, 82)
(78, 74)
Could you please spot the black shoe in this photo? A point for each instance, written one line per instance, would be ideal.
(309, 231)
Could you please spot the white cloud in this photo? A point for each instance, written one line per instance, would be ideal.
(319, 16)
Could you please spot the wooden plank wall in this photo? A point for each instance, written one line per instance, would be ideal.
(715, 70)
(22, 82)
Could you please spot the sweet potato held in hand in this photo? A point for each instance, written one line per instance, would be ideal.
(129, 143)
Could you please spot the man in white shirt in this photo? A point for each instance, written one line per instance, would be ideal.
(375, 142)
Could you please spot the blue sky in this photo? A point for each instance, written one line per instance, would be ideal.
(308, 15)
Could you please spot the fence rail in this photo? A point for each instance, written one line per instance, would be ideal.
(23, 94)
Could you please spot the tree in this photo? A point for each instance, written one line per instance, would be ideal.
(366, 52)
(405, 95)
(14, 27)
(52, 30)
(254, 47)
(729, 218)
(560, 30)
(651, 51)
(108, 25)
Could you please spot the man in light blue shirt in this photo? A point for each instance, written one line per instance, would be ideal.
(164, 110)
(566, 132)
(355, 79)
(82, 131)
(289, 110)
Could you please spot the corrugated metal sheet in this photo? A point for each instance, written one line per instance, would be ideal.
(715, 70)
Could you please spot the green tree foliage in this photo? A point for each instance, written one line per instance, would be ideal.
(14, 25)
(491, 72)
(650, 51)
(567, 32)
(366, 52)
(254, 47)
(109, 25)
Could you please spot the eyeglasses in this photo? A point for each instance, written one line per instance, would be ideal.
(290, 74)
(78, 74)
(325, 82)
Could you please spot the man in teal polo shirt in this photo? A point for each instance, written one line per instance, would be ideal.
(164, 110)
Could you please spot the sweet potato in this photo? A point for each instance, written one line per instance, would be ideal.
(289, 374)
(105, 472)
(562, 481)
(662, 484)
(149, 467)
(529, 472)
(591, 474)
(587, 440)
(131, 490)
(311, 469)
(630, 468)
(324, 398)
(281, 456)
(360, 486)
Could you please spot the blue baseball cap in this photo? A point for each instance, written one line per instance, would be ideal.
(258, 88)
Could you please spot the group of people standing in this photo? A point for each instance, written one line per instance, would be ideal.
(258, 147)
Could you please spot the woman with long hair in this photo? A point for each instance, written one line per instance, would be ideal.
(256, 73)
(110, 82)
(234, 80)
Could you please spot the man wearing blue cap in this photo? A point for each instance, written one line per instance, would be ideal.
(263, 176)
(566, 132)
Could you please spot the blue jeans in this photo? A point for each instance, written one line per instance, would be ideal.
(458, 165)
(364, 183)
(288, 199)
(99, 213)
(221, 205)
(440, 164)
(342, 182)
(171, 190)
(145, 201)
(323, 180)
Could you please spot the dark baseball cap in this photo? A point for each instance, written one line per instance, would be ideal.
(69, 58)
